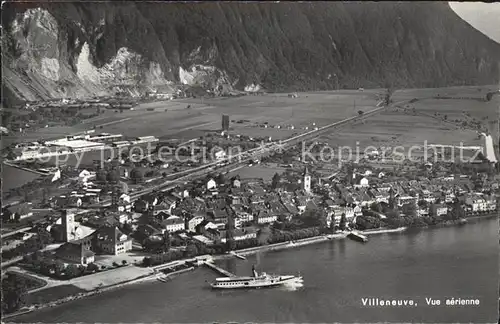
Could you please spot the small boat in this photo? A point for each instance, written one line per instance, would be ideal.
(262, 280)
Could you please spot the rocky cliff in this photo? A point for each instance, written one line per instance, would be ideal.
(76, 49)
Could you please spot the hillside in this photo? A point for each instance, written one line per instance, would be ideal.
(77, 50)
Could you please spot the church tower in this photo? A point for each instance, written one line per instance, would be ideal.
(307, 181)
(68, 224)
(392, 198)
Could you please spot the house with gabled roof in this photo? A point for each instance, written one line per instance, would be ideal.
(167, 205)
(264, 217)
(204, 226)
(211, 184)
(193, 222)
(147, 231)
(78, 252)
(111, 240)
(218, 216)
(141, 205)
(173, 224)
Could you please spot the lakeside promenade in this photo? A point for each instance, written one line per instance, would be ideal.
(153, 275)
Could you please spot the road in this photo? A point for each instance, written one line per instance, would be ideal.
(17, 259)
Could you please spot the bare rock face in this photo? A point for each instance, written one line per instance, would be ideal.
(76, 50)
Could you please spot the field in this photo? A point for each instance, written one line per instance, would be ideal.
(174, 119)
(205, 114)
(410, 124)
(427, 120)
(263, 172)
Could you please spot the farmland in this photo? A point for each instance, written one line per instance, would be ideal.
(274, 109)
(437, 121)
(425, 119)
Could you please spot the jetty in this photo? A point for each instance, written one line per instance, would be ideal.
(165, 277)
(357, 237)
(383, 231)
(241, 257)
(219, 269)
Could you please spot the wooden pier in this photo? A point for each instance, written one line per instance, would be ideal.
(241, 257)
(219, 269)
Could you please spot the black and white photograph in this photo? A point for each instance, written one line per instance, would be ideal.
(250, 162)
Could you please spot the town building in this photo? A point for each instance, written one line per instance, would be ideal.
(173, 224)
(211, 184)
(111, 240)
(438, 209)
(239, 234)
(264, 217)
(70, 231)
(78, 252)
(193, 222)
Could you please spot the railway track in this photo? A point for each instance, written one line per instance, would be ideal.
(243, 158)
(249, 155)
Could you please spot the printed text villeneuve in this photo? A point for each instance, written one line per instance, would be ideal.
(389, 302)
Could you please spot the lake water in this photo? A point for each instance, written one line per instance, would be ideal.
(440, 263)
(13, 177)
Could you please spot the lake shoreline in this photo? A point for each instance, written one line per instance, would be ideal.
(243, 252)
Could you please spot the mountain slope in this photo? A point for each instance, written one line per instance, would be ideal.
(74, 49)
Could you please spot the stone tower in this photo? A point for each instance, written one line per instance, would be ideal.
(307, 181)
(68, 224)
(392, 198)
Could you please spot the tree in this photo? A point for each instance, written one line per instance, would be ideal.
(136, 175)
(113, 175)
(124, 262)
(72, 271)
(101, 176)
(410, 210)
(343, 222)
(230, 233)
(167, 242)
(457, 211)
(221, 179)
(92, 267)
(44, 196)
(14, 289)
(127, 228)
(115, 264)
(275, 181)
(58, 267)
(423, 203)
(191, 250)
(376, 207)
(147, 261)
